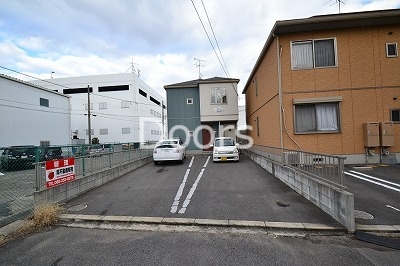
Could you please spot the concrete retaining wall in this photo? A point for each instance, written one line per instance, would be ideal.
(336, 202)
(79, 186)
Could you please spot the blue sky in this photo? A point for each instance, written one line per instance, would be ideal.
(94, 37)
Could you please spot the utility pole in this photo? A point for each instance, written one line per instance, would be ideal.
(88, 115)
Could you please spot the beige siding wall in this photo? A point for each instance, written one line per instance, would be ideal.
(263, 101)
(219, 112)
(365, 78)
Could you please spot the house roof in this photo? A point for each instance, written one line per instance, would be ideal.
(32, 85)
(327, 22)
(195, 83)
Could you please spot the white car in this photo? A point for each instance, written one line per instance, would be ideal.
(169, 150)
(225, 149)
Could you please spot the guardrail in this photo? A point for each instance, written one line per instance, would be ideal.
(327, 168)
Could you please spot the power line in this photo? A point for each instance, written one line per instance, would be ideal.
(215, 38)
(34, 77)
(223, 68)
(209, 39)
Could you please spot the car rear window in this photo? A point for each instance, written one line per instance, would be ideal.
(162, 146)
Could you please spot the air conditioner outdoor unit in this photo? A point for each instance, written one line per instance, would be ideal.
(293, 158)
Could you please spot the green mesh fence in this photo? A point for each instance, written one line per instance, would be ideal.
(22, 170)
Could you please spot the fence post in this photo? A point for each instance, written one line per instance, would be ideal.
(37, 167)
(341, 170)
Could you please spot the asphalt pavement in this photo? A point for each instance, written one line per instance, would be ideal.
(200, 189)
(196, 213)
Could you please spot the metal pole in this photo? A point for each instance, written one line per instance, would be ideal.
(88, 114)
(162, 119)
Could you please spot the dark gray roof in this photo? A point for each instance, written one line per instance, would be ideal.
(327, 22)
(195, 83)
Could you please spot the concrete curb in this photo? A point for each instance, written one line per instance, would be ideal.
(378, 228)
(304, 227)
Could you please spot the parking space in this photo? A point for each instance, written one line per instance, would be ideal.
(199, 188)
(376, 192)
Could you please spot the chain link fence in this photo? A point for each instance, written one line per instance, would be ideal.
(22, 170)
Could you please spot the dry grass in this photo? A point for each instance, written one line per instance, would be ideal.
(43, 216)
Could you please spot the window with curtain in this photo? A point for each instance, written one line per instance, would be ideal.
(218, 95)
(318, 117)
(313, 53)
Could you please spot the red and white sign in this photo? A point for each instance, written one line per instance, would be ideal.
(59, 172)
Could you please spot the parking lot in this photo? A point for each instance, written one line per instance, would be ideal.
(376, 192)
(199, 188)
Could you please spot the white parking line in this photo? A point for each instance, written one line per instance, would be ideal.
(393, 208)
(178, 195)
(175, 204)
(191, 162)
(191, 192)
(205, 165)
(375, 178)
(374, 182)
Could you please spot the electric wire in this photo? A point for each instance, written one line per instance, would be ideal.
(209, 39)
(215, 38)
(212, 45)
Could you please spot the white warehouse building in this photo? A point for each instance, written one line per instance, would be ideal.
(123, 108)
(32, 115)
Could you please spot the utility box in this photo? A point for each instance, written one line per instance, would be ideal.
(386, 133)
(371, 134)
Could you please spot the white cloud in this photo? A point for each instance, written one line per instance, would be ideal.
(88, 37)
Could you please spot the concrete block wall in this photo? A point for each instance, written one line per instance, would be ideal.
(336, 202)
(88, 182)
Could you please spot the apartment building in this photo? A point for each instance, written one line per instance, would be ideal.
(329, 84)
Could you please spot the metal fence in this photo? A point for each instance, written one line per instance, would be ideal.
(328, 168)
(22, 170)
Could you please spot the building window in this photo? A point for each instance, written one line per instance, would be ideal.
(103, 131)
(44, 102)
(313, 54)
(124, 104)
(317, 117)
(189, 101)
(391, 50)
(126, 130)
(218, 95)
(143, 93)
(103, 105)
(91, 131)
(44, 143)
(395, 115)
(91, 106)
